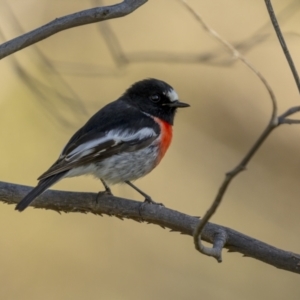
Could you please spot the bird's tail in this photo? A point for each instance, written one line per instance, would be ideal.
(38, 190)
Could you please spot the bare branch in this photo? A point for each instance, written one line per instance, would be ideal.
(155, 214)
(84, 17)
(282, 42)
(289, 121)
(289, 112)
(242, 165)
(219, 242)
(219, 236)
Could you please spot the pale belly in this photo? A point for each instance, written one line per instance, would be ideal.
(122, 167)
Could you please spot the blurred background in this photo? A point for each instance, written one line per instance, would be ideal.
(50, 89)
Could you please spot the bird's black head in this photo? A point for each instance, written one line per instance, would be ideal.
(154, 97)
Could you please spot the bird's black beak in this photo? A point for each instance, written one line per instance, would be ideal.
(177, 103)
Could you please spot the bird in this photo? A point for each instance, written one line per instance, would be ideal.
(123, 141)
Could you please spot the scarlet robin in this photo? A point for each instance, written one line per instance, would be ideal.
(123, 141)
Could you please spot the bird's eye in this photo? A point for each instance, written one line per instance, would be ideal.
(155, 98)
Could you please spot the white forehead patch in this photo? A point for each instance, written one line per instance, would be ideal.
(172, 95)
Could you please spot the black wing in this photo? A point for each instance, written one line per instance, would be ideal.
(107, 133)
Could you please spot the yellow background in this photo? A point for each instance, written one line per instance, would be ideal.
(45, 255)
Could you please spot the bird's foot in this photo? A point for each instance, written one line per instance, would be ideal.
(108, 191)
(100, 194)
(107, 188)
(148, 200)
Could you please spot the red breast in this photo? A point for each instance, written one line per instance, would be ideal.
(165, 139)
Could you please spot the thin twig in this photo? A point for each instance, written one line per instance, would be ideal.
(283, 118)
(290, 121)
(242, 165)
(236, 54)
(282, 42)
(289, 112)
(273, 123)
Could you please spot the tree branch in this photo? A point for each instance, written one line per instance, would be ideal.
(273, 123)
(219, 236)
(282, 42)
(84, 17)
(155, 214)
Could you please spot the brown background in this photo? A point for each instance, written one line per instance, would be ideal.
(45, 255)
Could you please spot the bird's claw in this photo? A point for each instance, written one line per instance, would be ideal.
(107, 192)
(147, 200)
(150, 201)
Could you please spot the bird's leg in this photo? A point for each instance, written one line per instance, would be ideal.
(106, 192)
(107, 188)
(148, 199)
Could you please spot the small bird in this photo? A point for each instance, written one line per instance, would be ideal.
(122, 142)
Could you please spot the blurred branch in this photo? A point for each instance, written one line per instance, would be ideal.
(52, 91)
(282, 42)
(123, 59)
(84, 17)
(213, 57)
(154, 214)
